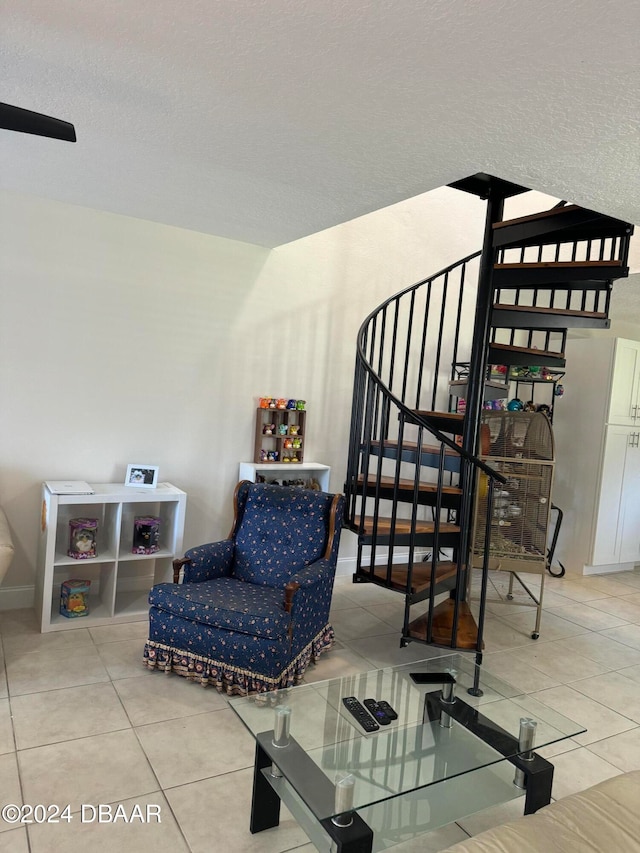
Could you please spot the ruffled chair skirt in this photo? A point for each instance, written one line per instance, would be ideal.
(235, 679)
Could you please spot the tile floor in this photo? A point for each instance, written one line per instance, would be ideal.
(81, 721)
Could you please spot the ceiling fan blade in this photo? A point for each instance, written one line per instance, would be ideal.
(26, 121)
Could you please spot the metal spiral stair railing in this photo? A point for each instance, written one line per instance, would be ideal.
(410, 485)
(387, 424)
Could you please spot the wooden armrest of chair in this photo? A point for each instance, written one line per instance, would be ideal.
(178, 563)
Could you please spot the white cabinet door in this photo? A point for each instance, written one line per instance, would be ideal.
(623, 403)
(630, 503)
(617, 533)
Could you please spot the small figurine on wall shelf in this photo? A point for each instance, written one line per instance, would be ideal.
(515, 405)
(268, 429)
(74, 598)
(293, 429)
(282, 429)
(300, 404)
(281, 403)
(83, 533)
(291, 404)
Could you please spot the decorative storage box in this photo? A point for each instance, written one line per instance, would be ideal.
(74, 598)
(83, 533)
(146, 534)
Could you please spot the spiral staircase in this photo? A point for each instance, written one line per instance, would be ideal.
(414, 464)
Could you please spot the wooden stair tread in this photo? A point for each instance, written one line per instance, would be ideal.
(559, 265)
(403, 526)
(537, 309)
(444, 421)
(543, 214)
(535, 353)
(420, 575)
(407, 485)
(413, 446)
(442, 626)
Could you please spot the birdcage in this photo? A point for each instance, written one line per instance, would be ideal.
(520, 446)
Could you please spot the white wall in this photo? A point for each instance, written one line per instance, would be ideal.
(123, 340)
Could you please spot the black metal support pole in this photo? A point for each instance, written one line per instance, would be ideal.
(476, 378)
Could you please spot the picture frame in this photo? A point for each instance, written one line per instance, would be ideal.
(142, 476)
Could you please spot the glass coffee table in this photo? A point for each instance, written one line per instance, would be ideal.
(463, 740)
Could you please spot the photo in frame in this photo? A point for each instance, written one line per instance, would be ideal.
(142, 476)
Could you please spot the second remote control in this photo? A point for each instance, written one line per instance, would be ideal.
(377, 712)
(355, 709)
(388, 710)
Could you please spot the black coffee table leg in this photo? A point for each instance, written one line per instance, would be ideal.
(265, 803)
(355, 838)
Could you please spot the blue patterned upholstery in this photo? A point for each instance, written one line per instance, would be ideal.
(227, 623)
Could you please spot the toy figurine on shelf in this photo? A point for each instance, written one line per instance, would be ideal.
(515, 405)
(268, 429)
(297, 443)
(544, 409)
(293, 429)
(288, 443)
(530, 406)
(291, 404)
(272, 402)
(264, 402)
(263, 455)
(282, 429)
(272, 456)
(286, 459)
(281, 403)
(300, 404)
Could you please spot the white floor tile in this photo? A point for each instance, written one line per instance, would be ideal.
(165, 697)
(99, 769)
(227, 798)
(78, 836)
(124, 659)
(623, 750)
(193, 748)
(15, 841)
(627, 634)
(614, 691)
(554, 660)
(603, 650)
(552, 627)
(587, 617)
(579, 769)
(7, 743)
(67, 714)
(10, 788)
(598, 719)
(621, 607)
(52, 668)
(116, 633)
(356, 623)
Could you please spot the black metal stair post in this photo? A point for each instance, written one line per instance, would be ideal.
(475, 386)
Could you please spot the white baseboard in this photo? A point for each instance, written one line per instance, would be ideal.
(609, 568)
(17, 597)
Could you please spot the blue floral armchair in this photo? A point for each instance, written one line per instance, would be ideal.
(252, 610)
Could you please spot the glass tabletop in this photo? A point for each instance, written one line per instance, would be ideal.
(414, 751)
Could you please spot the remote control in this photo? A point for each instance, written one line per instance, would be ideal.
(376, 712)
(388, 710)
(356, 710)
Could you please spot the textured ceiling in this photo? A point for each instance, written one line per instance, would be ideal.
(265, 121)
